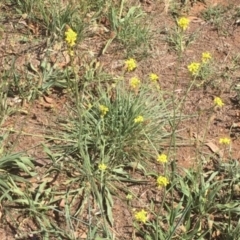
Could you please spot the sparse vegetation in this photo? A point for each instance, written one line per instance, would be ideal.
(119, 120)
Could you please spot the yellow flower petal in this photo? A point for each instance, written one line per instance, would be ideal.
(134, 82)
(130, 64)
(225, 141)
(162, 181)
(194, 68)
(138, 119)
(183, 23)
(162, 158)
(70, 37)
(102, 166)
(141, 216)
(218, 101)
(153, 77)
(206, 56)
(103, 109)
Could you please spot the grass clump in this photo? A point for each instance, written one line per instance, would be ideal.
(205, 206)
(219, 16)
(49, 17)
(128, 30)
(130, 125)
(115, 144)
(116, 131)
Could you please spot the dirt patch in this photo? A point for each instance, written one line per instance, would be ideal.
(199, 135)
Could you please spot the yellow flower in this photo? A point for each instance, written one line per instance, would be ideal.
(206, 56)
(138, 119)
(103, 109)
(162, 181)
(225, 141)
(89, 106)
(218, 101)
(102, 167)
(129, 196)
(194, 68)
(70, 37)
(141, 216)
(183, 23)
(153, 77)
(162, 158)
(134, 82)
(130, 64)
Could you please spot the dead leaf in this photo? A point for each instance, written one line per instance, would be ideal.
(196, 19)
(44, 103)
(81, 236)
(183, 228)
(34, 28)
(62, 203)
(214, 148)
(48, 99)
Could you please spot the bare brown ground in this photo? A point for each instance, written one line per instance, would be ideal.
(200, 135)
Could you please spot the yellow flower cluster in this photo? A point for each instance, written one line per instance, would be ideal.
(225, 141)
(162, 181)
(153, 77)
(206, 57)
(183, 23)
(141, 216)
(135, 82)
(103, 109)
(218, 101)
(70, 37)
(130, 64)
(194, 68)
(102, 167)
(139, 119)
(162, 158)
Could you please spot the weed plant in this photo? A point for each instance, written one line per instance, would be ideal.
(120, 133)
(178, 38)
(50, 17)
(128, 30)
(113, 132)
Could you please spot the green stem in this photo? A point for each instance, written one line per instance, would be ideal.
(121, 10)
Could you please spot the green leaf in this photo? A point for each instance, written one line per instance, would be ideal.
(109, 205)
(24, 167)
(136, 165)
